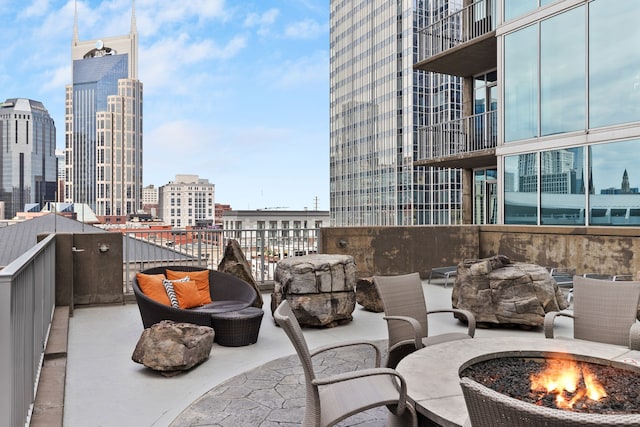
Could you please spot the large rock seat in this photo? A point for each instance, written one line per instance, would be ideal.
(500, 292)
(169, 347)
(320, 288)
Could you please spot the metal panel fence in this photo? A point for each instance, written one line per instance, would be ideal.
(262, 248)
(27, 296)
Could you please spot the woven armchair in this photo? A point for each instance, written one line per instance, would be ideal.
(488, 408)
(603, 311)
(406, 314)
(228, 293)
(334, 398)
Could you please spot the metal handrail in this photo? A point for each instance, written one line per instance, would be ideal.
(468, 23)
(27, 293)
(465, 135)
(262, 248)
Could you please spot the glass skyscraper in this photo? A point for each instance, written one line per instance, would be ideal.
(551, 125)
(103, 133)
(377, 102)
(28, 164)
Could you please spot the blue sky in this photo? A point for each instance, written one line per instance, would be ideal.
(236, 92)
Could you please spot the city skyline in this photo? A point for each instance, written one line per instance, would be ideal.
(241, 89)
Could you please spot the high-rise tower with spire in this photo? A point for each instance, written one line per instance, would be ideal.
(103, 124)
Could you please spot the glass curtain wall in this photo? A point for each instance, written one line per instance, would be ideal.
(377, 102)
(584, 77)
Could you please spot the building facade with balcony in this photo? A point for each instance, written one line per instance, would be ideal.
(103, 124)
(377, 103)
(187, 202)
(28, 163)
(551, 114)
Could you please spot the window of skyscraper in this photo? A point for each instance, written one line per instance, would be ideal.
(562, 72)
(562, 187)
(521, 189)
(614, 76)
(521, 84)
(614, 181)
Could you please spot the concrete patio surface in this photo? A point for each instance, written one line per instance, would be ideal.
(104, 387)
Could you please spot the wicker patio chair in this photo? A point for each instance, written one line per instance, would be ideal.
(488, 408)
(406, 315)
(228, 293)
(603, 311)
(334, 398)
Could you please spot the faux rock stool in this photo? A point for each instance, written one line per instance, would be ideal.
(320, 288)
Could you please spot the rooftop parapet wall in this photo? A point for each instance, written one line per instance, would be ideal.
(604, 250)
(398, 250)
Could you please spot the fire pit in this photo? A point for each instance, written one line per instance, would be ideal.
(563, 381)
(434, 383)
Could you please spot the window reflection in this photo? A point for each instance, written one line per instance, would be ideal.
(562, 82)
(521, 189)
(614, 80)
(562, 187)
(515, 8)
(614, 195)
(521, 84)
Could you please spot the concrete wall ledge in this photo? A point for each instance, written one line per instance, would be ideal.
(399, 250)
(49, 403)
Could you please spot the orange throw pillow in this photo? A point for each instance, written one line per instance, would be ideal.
(151, 285)
(187, 293)
(201, 278)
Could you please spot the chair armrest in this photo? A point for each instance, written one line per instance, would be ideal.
(634, 336)
(417, 328)
(368, 372)
(550, 317)
(471, 319)
(328, 347)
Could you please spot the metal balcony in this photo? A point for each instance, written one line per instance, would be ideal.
(469, 142)
(461, 44)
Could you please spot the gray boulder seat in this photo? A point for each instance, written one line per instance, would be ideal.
(231, 299)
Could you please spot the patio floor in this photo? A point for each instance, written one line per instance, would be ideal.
(257, 385)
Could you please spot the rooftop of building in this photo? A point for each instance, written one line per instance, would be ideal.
(105, 387)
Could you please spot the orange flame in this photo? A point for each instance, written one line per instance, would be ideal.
(562, 378)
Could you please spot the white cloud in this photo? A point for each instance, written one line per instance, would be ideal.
(153, 16)
(306, 29)
(300, 71)
(57, 78)
(168, 62)
(262, 22)
(37, 8)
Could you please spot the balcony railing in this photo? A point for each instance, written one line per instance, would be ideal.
(464, 25)
(262, 248)
(465, 135)
(27, 297)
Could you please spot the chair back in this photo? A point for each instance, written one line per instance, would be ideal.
(604, 310)
(402, 295)
(488, 408)
(285, 318)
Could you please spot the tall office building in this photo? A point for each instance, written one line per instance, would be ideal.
(563, 124)
(28, 168)
(377, 103)
(103, 133)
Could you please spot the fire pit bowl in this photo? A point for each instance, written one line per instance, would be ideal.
(433, 374)
(558, 389)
